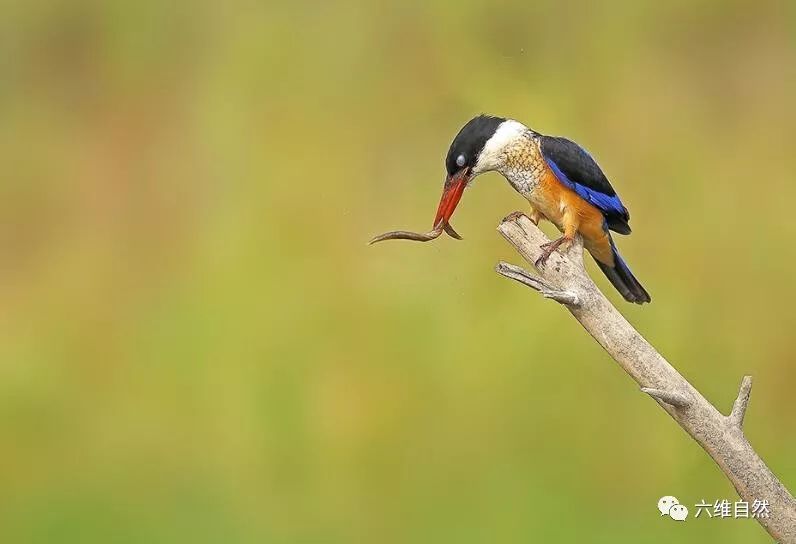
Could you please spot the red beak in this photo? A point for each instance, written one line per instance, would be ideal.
(451, 194)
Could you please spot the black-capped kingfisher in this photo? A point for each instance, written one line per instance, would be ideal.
(562, 182)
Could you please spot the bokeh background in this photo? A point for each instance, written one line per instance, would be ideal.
(196, 345)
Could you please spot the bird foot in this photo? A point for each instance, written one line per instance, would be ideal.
(513, 216)
(549, 248)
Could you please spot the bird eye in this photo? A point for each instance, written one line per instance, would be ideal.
(461, 161)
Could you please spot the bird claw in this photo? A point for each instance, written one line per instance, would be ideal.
(513, 216)
(548, 249)
(540, 262)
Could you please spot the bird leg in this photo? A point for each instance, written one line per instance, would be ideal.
(536, 216)
(570, 224)
(513, 216)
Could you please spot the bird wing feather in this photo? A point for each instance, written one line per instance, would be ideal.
(576, 169)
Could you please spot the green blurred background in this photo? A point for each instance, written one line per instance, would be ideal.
(196, 345)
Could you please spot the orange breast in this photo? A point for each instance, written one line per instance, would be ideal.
(565, 208)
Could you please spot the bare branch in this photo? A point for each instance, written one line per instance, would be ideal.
(536, 283)
(740, 404)
(721, 437)
(669, 397)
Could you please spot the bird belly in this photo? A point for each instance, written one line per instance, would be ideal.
(551, 198)
(562, 205)
(597, 241)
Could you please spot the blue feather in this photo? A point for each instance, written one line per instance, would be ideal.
(606, 203)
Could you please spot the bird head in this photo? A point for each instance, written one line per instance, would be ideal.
(479, 147)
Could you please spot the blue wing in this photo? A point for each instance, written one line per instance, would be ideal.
(576, 169)
(606, 203)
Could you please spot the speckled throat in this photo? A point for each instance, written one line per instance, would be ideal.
(523, 164)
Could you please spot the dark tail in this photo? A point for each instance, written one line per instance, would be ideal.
(623, 279)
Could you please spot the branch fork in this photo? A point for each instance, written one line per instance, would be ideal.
(672, 398)
(547, 290)
(740, 404)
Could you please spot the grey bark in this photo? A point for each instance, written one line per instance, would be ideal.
(564, 279)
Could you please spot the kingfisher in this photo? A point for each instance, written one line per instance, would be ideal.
(560, 180)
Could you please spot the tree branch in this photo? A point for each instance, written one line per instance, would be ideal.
(740, 404)
(669, 397)
(564, 279)
(535, 282)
